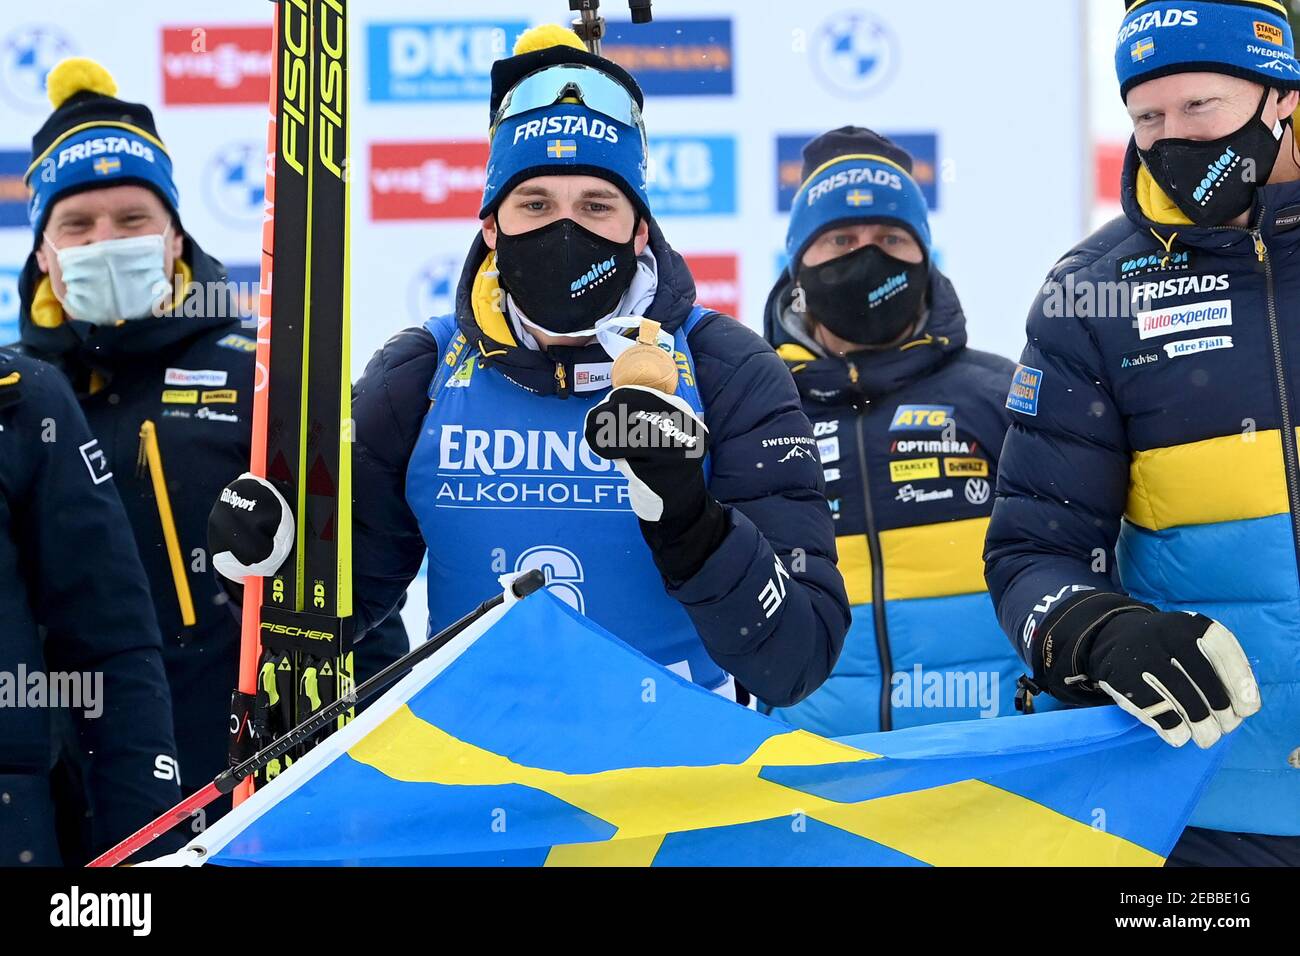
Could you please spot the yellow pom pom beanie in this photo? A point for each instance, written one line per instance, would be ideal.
(92, 140)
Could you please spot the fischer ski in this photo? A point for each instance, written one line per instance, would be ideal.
(296, 653)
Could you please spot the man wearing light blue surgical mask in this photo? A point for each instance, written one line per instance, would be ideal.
(110, 254)
(149, 331)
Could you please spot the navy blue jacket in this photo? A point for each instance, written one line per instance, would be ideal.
(73, 600)
(192, 376)
(752, 411)
(909, 440)
(1153, 452)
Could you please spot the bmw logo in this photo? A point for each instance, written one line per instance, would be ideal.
(433, 288)
(854, 54)
(26, 58)
(234, 184)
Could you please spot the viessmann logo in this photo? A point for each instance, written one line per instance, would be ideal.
(426, 180)
(203, 64)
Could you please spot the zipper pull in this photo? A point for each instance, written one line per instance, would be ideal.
(561, 381)
(142, 456)
(853, 373)
(1260, 249)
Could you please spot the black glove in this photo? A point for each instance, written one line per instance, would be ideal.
(657, 441)
(250, 529)
(1183, 675)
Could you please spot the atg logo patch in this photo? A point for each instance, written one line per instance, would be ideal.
(675, 57)
(426, 180)
(922, 147)
(692, 176)
(207, 64)
(1025, 385)
(444, 60)
(909, 418)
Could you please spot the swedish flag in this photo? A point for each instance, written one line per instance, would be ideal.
(107, 165)
(561, 148)
(537, 738)
(1142, 49)
(860, 197)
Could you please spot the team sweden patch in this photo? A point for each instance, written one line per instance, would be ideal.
(912, 418)
(1025, 383)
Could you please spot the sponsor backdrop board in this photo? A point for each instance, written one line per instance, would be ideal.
(991, 102)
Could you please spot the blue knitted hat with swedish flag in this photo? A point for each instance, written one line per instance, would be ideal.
(1246, 38)
(93, 140)
(854, 175)
(567, 137)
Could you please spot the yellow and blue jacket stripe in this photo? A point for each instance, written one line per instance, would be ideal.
(1158, 465)
(909, 441)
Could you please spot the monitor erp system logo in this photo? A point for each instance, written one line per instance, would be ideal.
(854, 54)
(692, 175)
(234, 184)
(922, 147)
(675, 57)
(440, 60)
(27, 54)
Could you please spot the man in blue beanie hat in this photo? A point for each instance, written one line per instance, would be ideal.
(144, 324)
(1144, 546)
(481, 438)
(910, 424)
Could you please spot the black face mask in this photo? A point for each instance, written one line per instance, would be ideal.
(1208, 181)
(565, 278)
(867, 297)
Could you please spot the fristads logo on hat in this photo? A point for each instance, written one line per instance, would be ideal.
(858, 176)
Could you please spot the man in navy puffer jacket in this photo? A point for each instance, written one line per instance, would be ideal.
(480, 437)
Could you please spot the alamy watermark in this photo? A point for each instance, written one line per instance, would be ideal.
(40, 689)
(921, 688)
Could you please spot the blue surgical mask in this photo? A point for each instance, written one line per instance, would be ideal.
(114, 280)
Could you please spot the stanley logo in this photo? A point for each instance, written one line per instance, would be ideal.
(333, 88)
(296, 26)
(288, 630)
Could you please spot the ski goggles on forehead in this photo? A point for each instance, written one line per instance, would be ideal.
(595, 90)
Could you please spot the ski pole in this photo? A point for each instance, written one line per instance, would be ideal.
(227, 780)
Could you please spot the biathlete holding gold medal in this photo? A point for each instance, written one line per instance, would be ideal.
(491, 439)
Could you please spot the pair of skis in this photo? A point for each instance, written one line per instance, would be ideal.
(295, 653)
